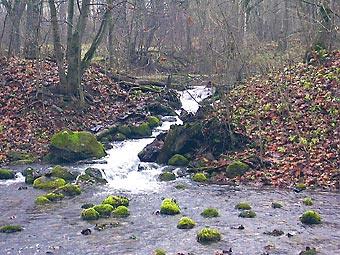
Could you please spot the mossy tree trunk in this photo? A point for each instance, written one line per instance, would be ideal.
(70, 78)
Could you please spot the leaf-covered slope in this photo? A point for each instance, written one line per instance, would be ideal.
(294, 115)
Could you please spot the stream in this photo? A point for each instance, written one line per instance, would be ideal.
(56, 228)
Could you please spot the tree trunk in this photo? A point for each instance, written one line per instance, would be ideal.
(31, 49)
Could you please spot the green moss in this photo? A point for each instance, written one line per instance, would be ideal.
(159, 252)
(186, 223)
(48, 183)
(104, 209)
(276, 205)
(210, 213)
(247, 214)
(10, 229)
(310, 217)
(307, 201)
(54, 196)
(143, 130)
(207, 235)
(169, 207)
(300, 186)
(167, 176)
(121, 212)
(178, 160)
(236, 168)
(89, 214)
(199, 177)
(64, 173)
(42, 200)
(6, 174)
(83, 143)
(119, 137)
(116, 201)
(154, 121)
(124, 129)
(243, 206)
(69, 190)
(18, 156)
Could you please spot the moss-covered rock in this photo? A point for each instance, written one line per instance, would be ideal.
(310, 217)
(243, 206)
(6, 174)
(208, 235)
(64, 173)
(116, 201)
(186, 223)
(276, 205)
(54, 196)
(178, 160)
(121, 212)
(119, 137)
(236, 168)
(140, 131)
(307, 201)
(30, 175)
(10, 229)
(104, 209)
(247, 214)
(42, 200)
(169, 207)
(167, 176)
(309, 251)
(161, 109)
(46, 183)
(300, 186)
(181, 186)
(20, 157)
(69, 146)
(210, 213)
(69, 190)
(199, 177)
(87, 179)
(124, 129)
(154, 121)
(89, 214)
(159, 252)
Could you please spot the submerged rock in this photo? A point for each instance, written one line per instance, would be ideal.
(6, 174)
(247, 214)
(10, 229)
(276, 205)
(71, 146)
(243, 206)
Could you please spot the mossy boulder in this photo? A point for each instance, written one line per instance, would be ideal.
(154, 121)
(247, 214)
(90, 214)
(208, 235)
(20, 158)
(169, 207)
(300, 186)
(178, 160)
(236, 168)
(94, 172)
(310, 217)
(87, 179)
(159, 252)
(64, 173)
(140, 131)
(124, 129)
(161, 109)
(167, 176)
(69, 190)
(308, 201)
(47, 183)
(116, 201)
(6, 174)
(199, 177)
(104, 209)
(121, 212)
(54, 196)
(243, 206)
(10, 229)
(276, 205)
(210, 213)
(42, 200)
(71, 146)
(119, 137)
(186, 223)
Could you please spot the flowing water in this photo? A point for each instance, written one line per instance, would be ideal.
(56, 229)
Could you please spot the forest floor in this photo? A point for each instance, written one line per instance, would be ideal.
(292, 116)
